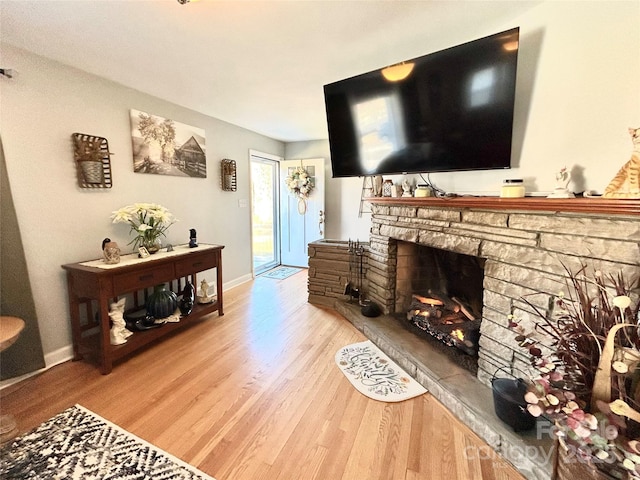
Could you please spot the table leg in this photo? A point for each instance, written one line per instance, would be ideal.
(219, 283)
(74, 307)
(106, 363)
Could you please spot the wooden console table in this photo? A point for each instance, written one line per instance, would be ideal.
(94, 284)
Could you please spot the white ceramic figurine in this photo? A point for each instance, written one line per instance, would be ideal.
(562, 183)
(119, 332)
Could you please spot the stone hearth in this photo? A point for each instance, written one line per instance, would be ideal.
(524, 246)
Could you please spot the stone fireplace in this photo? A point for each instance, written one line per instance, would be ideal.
(524, 254)
(523, 246)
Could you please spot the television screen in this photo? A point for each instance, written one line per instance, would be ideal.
(446, 111)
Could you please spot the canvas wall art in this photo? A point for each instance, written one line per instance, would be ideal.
(164, 147)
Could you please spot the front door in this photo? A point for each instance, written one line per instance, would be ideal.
(301, 219)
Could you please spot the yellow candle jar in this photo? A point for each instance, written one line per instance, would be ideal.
(512, 188)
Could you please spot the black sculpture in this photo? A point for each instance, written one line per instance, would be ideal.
(185, 304)
(192, 238)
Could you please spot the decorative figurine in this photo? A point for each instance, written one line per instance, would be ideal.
(204, 297)
(185, 304)
(626, 183)
(169, 248)
(192, 238)
(110, 251)
(377, 185)
(406, 189)
(118, 332)
(562, 182)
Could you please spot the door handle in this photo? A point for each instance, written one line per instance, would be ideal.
(321, 221)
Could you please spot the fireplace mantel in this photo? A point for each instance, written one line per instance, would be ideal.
(571, 205)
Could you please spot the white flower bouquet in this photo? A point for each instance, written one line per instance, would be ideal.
(149, 222)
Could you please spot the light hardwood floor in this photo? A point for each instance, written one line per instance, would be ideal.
(255, 394)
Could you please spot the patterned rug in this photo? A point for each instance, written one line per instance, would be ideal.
(376, 375)
(281, 273)
(78, 444)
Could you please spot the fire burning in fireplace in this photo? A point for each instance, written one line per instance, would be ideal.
(449, 320)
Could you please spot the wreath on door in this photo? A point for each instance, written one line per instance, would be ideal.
(300, 186)
(299, 183)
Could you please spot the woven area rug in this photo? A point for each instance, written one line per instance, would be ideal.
(78, 444)
(376, 375)
(280, 273)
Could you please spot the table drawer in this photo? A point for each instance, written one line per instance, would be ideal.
(129, 282)
(195, 262)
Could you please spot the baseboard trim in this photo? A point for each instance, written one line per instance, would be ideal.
(52, 359)
(65, 353)
(59, 356)
(238, 281)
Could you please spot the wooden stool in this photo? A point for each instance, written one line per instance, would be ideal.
(10, 328)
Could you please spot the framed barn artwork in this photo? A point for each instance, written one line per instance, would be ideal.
(164, 147)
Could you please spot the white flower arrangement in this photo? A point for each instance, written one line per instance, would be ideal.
(299, 183)
(149, 221)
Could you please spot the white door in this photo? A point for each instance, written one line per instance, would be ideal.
(301, 220)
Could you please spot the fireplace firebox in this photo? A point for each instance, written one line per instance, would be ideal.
(440, 292)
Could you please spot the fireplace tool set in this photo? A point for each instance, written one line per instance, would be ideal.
(353, 288)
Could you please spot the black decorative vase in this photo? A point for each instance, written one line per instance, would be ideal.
(187, 300)
(161, 302)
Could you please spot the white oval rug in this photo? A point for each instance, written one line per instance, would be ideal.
(375, 375)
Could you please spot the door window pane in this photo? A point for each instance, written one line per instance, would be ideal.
(263, 214)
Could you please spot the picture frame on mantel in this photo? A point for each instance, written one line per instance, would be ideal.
(162, 146)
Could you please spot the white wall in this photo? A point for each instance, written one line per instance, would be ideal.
(578, 90)
(62, 223)
(577, 93)
(342, 196)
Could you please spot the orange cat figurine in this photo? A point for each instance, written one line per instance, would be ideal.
(626, 183)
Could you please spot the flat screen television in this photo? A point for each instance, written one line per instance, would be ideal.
(452, 111)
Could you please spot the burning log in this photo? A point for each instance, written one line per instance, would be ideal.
(447, 319)
(424, 306)
(427, 300)
(453, 318)
(446, 301)
(424, 311)
(463, 308)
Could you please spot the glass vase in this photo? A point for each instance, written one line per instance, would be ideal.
(152, 245)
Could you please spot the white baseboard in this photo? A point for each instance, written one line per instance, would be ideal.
(65, 353)
(59, 356)
(238, 281)
(52, 359)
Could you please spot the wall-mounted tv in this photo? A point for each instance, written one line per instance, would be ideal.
(453, 110)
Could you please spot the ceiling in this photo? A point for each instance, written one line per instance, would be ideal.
(260, 65)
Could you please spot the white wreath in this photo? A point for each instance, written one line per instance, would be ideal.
(299, 183)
